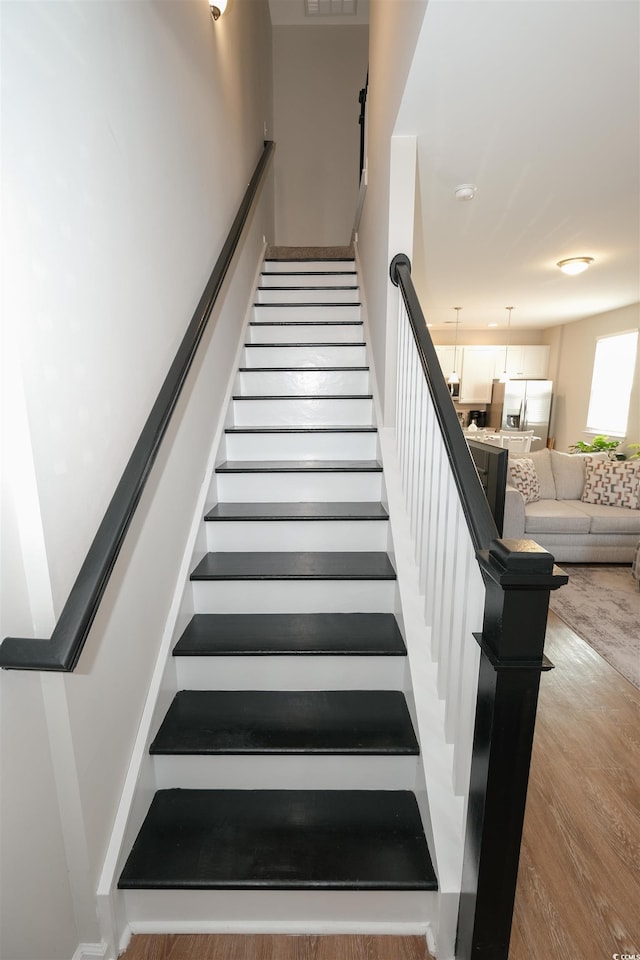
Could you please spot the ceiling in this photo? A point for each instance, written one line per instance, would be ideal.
(536, 103)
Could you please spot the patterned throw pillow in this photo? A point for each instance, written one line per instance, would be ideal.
(612, 483)
(523, 476)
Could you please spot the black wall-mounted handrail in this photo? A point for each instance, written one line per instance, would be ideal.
(482, 526)
(61, 652)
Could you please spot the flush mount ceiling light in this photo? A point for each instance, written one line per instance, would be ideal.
(575, 265)
(465, 191)
(217, 8)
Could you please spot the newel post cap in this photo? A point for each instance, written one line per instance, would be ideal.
(521, 564)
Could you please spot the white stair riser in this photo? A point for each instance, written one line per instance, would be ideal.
(310, 279)
(305, 332)
(291, 673)
(309, 295)
(306, 314)
(300, 382)
(267, 487)
(301, 412)
(279, 911)
(311, 356)
(294, 596)
(277, 772)
(301, 446)
(298, 535)
(307, 266)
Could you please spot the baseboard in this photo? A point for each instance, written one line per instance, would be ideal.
(301, 928)
(91, 951)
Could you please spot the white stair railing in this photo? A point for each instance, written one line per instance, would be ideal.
(486, 603)
(449, 575)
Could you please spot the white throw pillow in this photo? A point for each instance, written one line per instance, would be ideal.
(612, 483)
(523, 476)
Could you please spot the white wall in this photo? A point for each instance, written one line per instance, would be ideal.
(318, 72)
(571, 366)
(130, 132)
(394, 29)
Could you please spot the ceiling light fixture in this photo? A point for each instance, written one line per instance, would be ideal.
(575, 265)
(465, 191)
(217, 8)
(455, 377)
(505, 376)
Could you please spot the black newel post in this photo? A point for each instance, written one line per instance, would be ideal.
(519, 576)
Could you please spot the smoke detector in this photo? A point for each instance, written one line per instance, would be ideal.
(465, 191)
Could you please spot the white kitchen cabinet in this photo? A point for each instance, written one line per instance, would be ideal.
(446, 358)
(523, 362)
(478, 364)
(536, 362)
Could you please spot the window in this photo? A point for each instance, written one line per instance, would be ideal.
(613, 369)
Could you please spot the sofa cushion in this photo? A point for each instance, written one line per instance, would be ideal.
(555, 516)
(542, 462)
(568, 472)
(523, 476)
(611, 482)
(605, 519)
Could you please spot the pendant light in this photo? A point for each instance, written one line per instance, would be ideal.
(455, 377)
(505, 376)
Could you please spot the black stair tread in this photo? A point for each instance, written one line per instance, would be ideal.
(287, 634)
(299, 466)
(281, 840)
(318, 303)
(295, 565)
(308, 273)
(316, 369)
(358, 722)
(306, 323)
(278, 429)
(361, 510)
(304, 396)
(283, 259)
(292, 287)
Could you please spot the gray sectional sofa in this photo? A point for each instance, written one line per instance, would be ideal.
(572, 530)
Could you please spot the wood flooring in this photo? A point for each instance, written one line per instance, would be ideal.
(228, 947)
(578, 894)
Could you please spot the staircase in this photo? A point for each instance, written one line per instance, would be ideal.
(288, 760)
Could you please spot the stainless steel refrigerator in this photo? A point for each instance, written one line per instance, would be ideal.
(522, 405)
